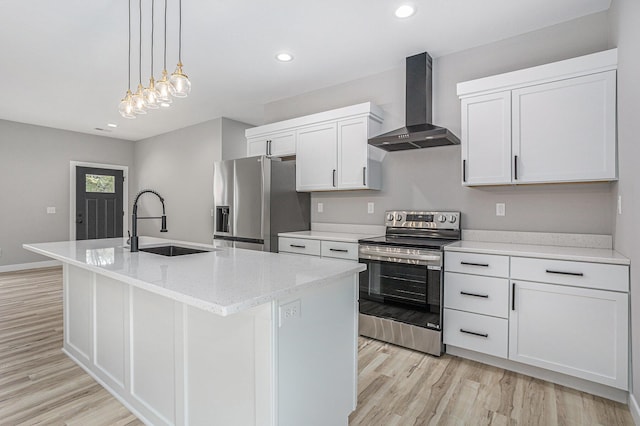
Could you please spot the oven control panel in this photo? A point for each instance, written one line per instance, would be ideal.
(422, 219)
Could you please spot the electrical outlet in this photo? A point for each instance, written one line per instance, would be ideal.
(370, 208)
(211, 212)
(619, 204)
(320, 207)
(290, 311)
(500, 209)
(51, 210)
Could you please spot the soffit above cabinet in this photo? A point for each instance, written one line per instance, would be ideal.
(588, 64)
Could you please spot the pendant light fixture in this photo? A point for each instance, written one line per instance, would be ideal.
(126, 105)
(150, 93)
(139, 105)
(164, 87)
(179, 80)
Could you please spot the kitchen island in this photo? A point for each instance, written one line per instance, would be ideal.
(227, 336)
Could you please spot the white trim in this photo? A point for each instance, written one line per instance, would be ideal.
(72, 193)
(588, 64)
(634, 409)
(31, 265)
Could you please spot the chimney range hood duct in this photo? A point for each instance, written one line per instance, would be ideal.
(418, 132)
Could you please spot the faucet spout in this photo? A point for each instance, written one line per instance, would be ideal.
(134, 218)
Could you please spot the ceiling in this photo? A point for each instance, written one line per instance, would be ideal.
(64, 63)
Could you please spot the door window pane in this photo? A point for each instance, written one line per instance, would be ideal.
(100, 183)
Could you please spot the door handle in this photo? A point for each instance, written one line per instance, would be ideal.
(575, 274)
(464, 170)
(462, 330)
(339, 250)
(297, 246)
(515, 167)
(513, 296)
(364, 176)
(485, 265)
(333, 178)
(484, 296)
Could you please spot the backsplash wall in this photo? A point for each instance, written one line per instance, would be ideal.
(431, 178)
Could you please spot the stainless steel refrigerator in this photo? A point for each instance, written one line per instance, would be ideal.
(254, 199)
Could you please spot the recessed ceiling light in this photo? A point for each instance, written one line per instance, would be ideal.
(405, 11)
(284, 57)
(112, 125)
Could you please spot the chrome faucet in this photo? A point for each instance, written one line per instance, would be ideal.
(134, 219)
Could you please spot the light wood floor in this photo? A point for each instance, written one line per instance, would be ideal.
(40, 385)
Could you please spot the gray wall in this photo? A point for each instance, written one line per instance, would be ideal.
(430, 178)
(234, 143)
(34, 174)
(179, 165)
(625, 34)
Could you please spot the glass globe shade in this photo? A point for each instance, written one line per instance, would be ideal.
(150, 95)
(139, 105)
(180, 82)
(164, 89)
(126, 106)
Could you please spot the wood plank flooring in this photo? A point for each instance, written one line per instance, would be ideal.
(39, 385)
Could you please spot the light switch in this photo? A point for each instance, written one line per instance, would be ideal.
(320, 207)
(500, 209)
(370, 208)
(51, 210)
(619, 204)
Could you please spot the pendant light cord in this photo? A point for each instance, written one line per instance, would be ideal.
(152, 22)
(165, 35)
(140, 48)
(129, 57)
(180, 34)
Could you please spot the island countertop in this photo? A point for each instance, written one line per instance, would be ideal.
(223, 281)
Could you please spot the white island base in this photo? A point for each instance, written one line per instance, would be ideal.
(291, 361)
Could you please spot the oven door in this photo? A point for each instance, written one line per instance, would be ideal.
(402, 285)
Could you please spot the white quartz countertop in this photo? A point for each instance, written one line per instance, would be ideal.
(222, 281)
(328, 236)
(580, 254)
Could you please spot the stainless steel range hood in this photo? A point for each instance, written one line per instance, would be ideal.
(418, 132)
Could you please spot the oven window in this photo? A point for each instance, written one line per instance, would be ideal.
(407, 293)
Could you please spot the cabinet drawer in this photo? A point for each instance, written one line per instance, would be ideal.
(478, 264)
(339, 250)
(578, 274)
(476, 332)
(476, 294)
(299, 245)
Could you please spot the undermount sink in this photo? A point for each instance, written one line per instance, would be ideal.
(172, 250)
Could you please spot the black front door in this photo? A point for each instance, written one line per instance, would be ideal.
(99, 210)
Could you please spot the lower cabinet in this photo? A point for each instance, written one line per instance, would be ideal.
(321, 248)
(576, 323)
(577, 331)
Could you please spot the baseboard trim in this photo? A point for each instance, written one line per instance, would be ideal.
(583, 385)
(635, 409)
(31, 265)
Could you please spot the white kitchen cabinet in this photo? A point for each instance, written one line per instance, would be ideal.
(273, 145)
(316, 158)
(486, 139)
(319, 247)
(331, 147)
(576, 331)
(547, 124)
(565, 131)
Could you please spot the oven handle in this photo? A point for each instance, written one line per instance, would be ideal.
(420, 259)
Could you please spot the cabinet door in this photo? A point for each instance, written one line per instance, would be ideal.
(282, 144)
(257, 146)
(565, 131)
(576, 331)
(316, 158)
(486, 139)
(352, 154)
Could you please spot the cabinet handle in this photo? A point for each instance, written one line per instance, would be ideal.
(464, 170)
(484, 265)
(364, 176)
(575, 274)
(475, 333)
(515, 167)
(333, 178)
(340, 250)
(270, 143)
(513, 296)
(297, 246)
(464, 293)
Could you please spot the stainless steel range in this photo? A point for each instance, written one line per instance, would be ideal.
(401, 290)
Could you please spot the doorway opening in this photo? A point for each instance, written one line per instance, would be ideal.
(98, 201)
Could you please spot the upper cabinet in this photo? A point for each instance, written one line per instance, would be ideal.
(552, 123)
(331, 147)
